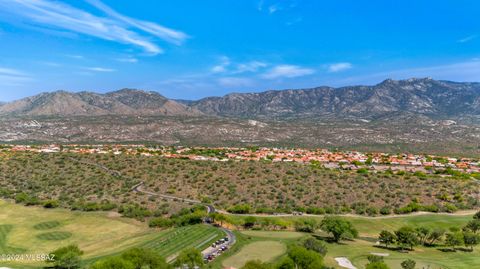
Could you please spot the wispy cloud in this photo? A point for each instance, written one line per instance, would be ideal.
(252, 66)
(273, 8)
(75, 56)
(13, 77)
(338, 67)
(467, 39)
(170, 35)
(114, 27)
(227, 66)
(287, 71)
(222, 66)
(99, 69)
(235, 82)
(127, 60)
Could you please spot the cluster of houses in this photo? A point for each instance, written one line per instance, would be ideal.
(331, 159)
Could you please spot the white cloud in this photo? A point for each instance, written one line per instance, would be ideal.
(74, 56)
(272, 9)
(252, 66)
(235, 82)
(226, 66)
(11, 72)
(338, 67)
(222, 66)
(115, 27)
(13, 77)
(467, 39)
(160, 31)
(127, 60)
(99, 69)
(287, 71)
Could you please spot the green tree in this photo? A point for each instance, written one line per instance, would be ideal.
(387, 238)
(454, 239)
(190, 257)
(304, 258)
(339, 228)
(477, 215)
(67, 257)
(471, 239)
(473, 225)
(113, 263)
(286, 263)
(435, 235)
(256, 265)
(422, 234)
(408, 264)
(145, 258)
(406, 236)
(249, 222)
(315, 245)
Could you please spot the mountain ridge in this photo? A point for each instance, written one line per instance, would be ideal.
(122, 102)
(422, 96)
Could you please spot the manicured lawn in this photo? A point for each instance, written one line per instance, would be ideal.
(369, 228)
(37, 230)
(358, 250)
(262, 250)
(277, 235)
(168, 244)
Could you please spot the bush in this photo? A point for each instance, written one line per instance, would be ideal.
(316, 245)
(339, 228)
(160, 223)
(66, 257)
(240, 209)
(51, 204)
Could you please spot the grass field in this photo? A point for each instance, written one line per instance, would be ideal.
(358, 250)
(265, 251)
(170, 243)
(277, 235)
(432, 258)
(37, 230)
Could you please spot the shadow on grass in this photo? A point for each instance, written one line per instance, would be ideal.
(462, 249)
(329, 239)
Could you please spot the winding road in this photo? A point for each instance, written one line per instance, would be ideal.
(139, 188)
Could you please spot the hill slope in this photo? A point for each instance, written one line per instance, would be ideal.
(123, 102)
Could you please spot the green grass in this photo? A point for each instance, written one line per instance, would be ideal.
(358, 250)
(265, 251)
(47, 225)
(274, 234)
(32, 230)
(4, 231)
(369, 228)
(54, 236)
(98, 234)
(170, 243)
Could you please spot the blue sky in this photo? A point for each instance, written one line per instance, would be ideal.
(191, 49)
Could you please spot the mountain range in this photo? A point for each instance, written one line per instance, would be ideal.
(123, 102)
(414, 115)
(432, 98)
